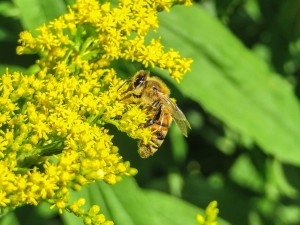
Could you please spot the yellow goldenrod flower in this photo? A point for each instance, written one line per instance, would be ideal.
(52, 136)
(75, 207)
(211, 215)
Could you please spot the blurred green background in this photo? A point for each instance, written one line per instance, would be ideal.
(241, 98)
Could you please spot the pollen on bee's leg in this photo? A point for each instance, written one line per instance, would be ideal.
(146, 150)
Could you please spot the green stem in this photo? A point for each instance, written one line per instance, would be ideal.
(27, 161)
(86, 44)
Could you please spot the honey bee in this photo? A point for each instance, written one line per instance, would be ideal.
(155, 95)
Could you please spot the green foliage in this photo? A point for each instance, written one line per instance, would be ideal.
(126, 203)
(234, 85)
(34, 13)
(242, 100)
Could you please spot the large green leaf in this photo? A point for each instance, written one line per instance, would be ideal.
(173, 210)
(230, 82)
(33, 13)
(126, 203)
(9, 219)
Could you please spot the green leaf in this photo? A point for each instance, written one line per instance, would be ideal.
(178, 144)
(173, 210)
(71, 219)
(126, 203)
(34, 13)
(277, 183)
(11, 69)
(233, 204)
(253, 180)
(43, 210)
(231, 83)
(289, 214)
(9, 219)
(8, 9)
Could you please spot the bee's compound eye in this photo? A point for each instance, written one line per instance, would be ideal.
(138, 81)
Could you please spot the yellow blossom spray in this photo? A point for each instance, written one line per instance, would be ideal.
(52, 137)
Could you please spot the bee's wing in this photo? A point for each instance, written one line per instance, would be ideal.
(176, 113)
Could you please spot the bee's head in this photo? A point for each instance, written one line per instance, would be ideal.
(138, 82)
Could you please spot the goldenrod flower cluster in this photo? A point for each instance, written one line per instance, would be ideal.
(52, 136)
(90, 216)
(211, 215)
(99, 34)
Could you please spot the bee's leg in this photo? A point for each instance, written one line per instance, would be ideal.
(156, 115)
(155, 103)
(153, 106)
(127, 98)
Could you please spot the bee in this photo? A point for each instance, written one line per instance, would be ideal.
(154, 93)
